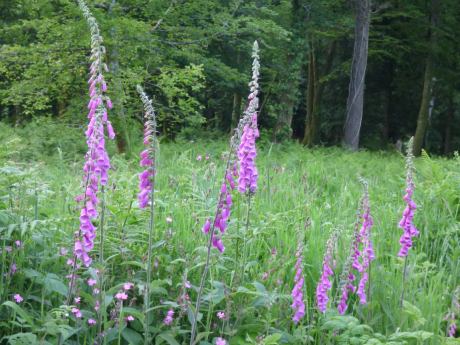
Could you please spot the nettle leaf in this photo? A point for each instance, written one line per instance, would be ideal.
(217, 294)
(134, 312)
(272, 339)
(52, 283)
(22, 339)
(168, 337)
(20, 313)
(131, 336)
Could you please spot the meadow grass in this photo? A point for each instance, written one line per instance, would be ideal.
(296, 185)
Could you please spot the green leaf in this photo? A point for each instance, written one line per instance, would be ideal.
(134, 312)
(21, 312)
(22, 339)
(168, 337)
(131, 336)
(53, 284)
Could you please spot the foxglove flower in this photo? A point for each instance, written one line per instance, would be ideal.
(298, 304)
(325, 284)
(367, 252)
(146, 178)
(247, 179)
(97, 161)
(362, 254)
(406, 223)
(453, 312)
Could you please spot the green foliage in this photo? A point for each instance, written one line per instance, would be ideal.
(37, 208)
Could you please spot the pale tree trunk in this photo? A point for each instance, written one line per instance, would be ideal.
(424, 110)
(358, 72)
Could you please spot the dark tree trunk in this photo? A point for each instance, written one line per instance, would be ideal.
(311, 123)
(358, 72)
(424, 110)
(448, 126)
(314, 93)
(118, 112)
(236, 111)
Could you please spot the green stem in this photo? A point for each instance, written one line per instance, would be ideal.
(149, 264)
(245, 236)
(101, 295)
(403, 282)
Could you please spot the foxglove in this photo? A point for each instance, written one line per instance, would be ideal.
(325, 284)
(406, 223)
(298, 304)
(97, 161)
(247, 179)
(147, 156)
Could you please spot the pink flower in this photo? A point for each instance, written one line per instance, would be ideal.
(97, 306)
(199, 158)
(91, 322)
(121, 296)
(188, 285)
(76, 312)
(18, 243)
(18, 298)
(96, 291)
(77, 300)
(129, 318)
(248, 175)
(221, 341)
(91, 282)
(63, 251)
(127, 286)
(8, 249)
(169, 317)
(221, 315)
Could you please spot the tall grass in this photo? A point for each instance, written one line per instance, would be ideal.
(37, 207)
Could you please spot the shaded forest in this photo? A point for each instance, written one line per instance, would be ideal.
(333, 72)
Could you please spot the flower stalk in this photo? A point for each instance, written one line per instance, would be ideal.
(238, 146)
(147, 193)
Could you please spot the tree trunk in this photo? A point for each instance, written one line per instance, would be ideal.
(424, 110)
(236, 111)
(119, 117)
(449, 122)
(358, 72)
(314, 93)
(422, 120)
(311, 123)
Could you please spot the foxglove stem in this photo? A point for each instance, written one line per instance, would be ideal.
(210, 231)
(249, 120)
(246, 229)
(151, 143)
(101, 295)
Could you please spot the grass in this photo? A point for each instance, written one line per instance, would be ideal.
(295, 184)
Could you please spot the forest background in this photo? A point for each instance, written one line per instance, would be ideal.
(357, 73)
